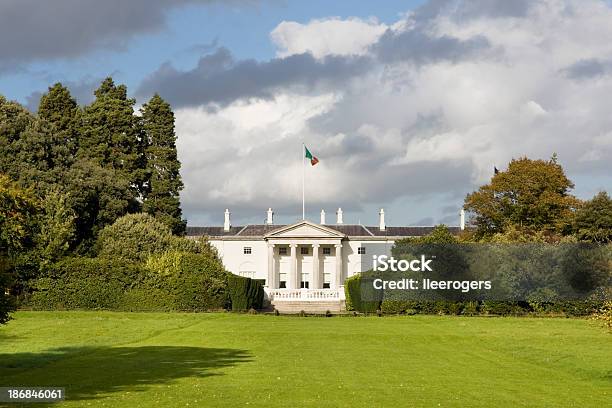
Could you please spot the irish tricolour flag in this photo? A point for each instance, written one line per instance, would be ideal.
(313, 159)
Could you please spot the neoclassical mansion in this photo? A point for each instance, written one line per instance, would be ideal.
(304, 264)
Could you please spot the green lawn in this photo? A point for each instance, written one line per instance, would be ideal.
(156, 359)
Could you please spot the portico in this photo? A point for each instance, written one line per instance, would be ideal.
(305, 256)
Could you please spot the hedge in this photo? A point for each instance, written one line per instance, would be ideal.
(353, 294)
(84, 283)
(170, 281)
(245, 293)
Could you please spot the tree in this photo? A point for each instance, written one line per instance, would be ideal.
(98, 196)
(135, 237)
(531, 194)
(60, 109)
(593, 221)
(163, 167)
(110, 134)
(42, 156)
(14, 119)
(17, 209)
(56, 227)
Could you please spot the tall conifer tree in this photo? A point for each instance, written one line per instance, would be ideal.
(111, 136)
(163, 167)
(60, 109)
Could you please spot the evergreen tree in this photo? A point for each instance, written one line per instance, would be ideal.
(163, 167)
(14, 119)
(110, 134)
(593, 221)
(60, 109)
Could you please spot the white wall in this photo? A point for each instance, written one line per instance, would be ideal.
(235, 261)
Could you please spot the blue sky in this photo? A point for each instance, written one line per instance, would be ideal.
(242, 28)
(408, 104)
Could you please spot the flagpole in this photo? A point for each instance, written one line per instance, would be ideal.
(303, 182)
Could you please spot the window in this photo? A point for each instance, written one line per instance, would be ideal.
(361, 250)
(304, 285)
(282, 285)
(247, 250)
(247, 274)
(326, 285)
(282, 250)
(304, 250)
(326, 251)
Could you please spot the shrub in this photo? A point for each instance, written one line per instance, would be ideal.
(245, 293)
(470, 308)
(604, 314)
(352, 290)
(135, 237)
(189, 281)
(491, 307)
(397, 306)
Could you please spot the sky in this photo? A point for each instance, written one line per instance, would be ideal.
(407, 104)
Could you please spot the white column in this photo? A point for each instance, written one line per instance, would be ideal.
(272, 281)
(316, 276)
(338, 279)
(294, 283)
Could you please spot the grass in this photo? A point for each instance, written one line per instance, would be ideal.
(227, 360)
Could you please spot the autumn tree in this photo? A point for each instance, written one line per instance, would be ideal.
(17, 209)
(531, 194)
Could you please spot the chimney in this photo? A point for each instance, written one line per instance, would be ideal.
(339, 216)
(226, 223)
(462, 223)
(322, 217)
(270, 219)
(381, 220)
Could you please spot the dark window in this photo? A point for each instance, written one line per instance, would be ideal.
(304, 285)
(246, 250)
(282, 285)
(282, 251)
(326, 286)
(304, 250)
(326, 251)
(361, 250)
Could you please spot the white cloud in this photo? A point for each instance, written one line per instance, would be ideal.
(332, 36)
(411, 131)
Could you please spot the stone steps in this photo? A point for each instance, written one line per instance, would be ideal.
(319, 306)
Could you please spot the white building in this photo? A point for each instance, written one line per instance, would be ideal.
(304, 265)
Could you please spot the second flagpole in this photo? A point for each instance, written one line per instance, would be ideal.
(303, 183)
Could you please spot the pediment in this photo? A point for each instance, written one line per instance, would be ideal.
(305, 229)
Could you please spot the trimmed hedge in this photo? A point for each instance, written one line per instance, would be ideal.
(352, 291)
(245, 293)
(84, 283)
(170, 281)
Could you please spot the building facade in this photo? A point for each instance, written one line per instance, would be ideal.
(304, 261)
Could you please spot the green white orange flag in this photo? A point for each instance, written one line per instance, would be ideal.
(313, 159)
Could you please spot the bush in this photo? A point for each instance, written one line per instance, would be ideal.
(392, 306)
(604, 314)
(352, 291)
(189, 281)
(245, 293)
(135, 237)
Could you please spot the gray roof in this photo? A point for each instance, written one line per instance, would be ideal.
(351, 230)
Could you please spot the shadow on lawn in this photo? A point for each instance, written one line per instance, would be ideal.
(87, 372)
